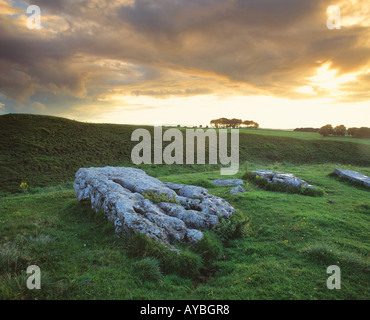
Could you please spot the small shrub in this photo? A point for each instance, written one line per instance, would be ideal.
(148, 269)
(234, 227)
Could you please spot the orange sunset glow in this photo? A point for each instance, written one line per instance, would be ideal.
(187, 62)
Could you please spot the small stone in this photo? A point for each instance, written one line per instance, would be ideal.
(286, 179)
(237, 190)
(227, 182)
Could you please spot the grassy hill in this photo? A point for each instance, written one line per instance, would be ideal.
(45, 151)
(287, 243)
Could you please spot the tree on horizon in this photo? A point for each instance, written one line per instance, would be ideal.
(233, 123)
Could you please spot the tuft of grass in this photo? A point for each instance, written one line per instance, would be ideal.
(363, 207)
(12, 258)
(188, 265)
(235, 227)
(39, 241)
(210, 249)
(148, 269)
(329, 255)
(14, 286)
(185, 264)
(204, 183)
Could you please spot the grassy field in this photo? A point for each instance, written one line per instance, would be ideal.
(303, 135)
(289, 243)
(47, 151)
(288, 240)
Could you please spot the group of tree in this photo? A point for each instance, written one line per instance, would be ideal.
(234, 123)
(328, 130)
(341, 131)
(363, 132)
(307, 129)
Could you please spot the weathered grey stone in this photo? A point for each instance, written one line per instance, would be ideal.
(117, 191)
(353, 176)
(227, 182)
(286, 179)
(237, 190)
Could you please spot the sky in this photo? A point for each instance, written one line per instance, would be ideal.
(188, 61)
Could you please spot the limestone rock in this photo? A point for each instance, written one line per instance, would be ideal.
(237, 190)
(286, 179)
(118, 192)
(353, 176)
(227, 182)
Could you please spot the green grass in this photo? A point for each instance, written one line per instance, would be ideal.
(277, 246)
(302, 135)
(46, 151)
(289, 242)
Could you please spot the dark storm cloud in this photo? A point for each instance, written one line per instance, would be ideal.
(93, 49)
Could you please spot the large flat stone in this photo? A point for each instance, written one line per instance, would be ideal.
(353, 176)
(118, 192)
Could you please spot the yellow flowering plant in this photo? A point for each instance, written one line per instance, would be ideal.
(24, 187)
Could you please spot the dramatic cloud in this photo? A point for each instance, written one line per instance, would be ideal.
(98, 52)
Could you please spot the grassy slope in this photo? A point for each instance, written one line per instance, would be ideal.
(291, 241)
(45, 151)
(302, 135)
